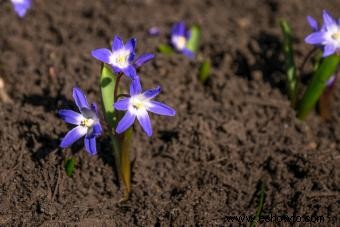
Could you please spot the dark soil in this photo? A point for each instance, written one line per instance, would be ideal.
(206, 163)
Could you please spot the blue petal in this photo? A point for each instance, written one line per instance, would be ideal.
(90, 145)
(117, 43)
(131, 45)
(88, 113)
(144, 58)
(178, 29)
(116, 69)
(135, 86)
(125, 122)
(72, 136)
(312, 23)
(144, 121)
(122, 104)
(94, 108)
(80, 98)
(102, 54)
(70, 116)
(328, 50)
(130, 71)
(327, 18)
(151, 93)
(188, 53)
(161, 109)
(315, 38)
(97, 129)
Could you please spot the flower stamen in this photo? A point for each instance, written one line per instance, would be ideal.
(336, 35)
(86, 123)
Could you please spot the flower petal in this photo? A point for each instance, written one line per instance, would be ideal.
(90, 145)
(102, 54)
(178, 29)
(328, 50)
(130, 71)
(144, 121)
(188, 53)
(315, 38)
(70, 116)
(135, 86)
(80, 98)
(131, 45)
(122, 104)
(328, 19)
(72, 136)
(161, 109)
(117, 43)
(94, 108)
(312, 23)
(88, 113)
(125, 122)
(144, 58)
(97, 129)
(151, 93)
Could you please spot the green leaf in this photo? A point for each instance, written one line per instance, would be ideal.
(195, 37)
(259, 206)
(107, 85)
(165, 49)
(204, 71)
(317, 85)
(291, 82)
(70, 165)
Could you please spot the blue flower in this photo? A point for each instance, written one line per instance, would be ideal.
(21, 6)
(87, 122)
(179, 39)
(138, 105)
(121, 58)
(328, 36)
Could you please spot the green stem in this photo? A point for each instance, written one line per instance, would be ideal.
(260, 205)
(317, 85)
(123, 154)
(117, 87)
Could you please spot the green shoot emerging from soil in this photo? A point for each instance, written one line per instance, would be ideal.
(324, 74)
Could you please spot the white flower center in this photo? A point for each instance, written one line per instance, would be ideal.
(87, 122)
(120, 58)
(138, 103)
(336, 35)
(179, 42)
(332, 36)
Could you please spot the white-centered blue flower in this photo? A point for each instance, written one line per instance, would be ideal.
(179, 39)
(138, 105)
(328, 36)
(87, 122)
(121, 57)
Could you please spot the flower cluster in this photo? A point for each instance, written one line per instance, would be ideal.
(326, 36)
(121, 58)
